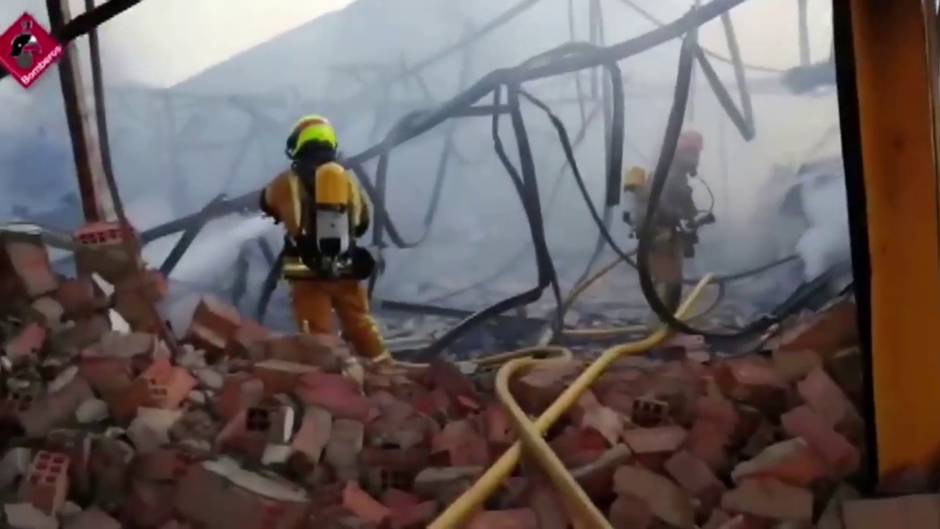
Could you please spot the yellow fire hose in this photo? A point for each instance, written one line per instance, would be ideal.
(545, 352)
(531, 433)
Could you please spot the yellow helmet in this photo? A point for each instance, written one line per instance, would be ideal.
(634, 178)
(310, 129)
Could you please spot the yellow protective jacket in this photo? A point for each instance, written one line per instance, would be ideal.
(287, 201)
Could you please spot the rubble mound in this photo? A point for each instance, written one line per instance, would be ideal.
(105, 425)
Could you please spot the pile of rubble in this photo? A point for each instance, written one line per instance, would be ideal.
(238, 428)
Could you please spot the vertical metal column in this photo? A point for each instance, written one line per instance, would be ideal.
(804, 32)
(97, 202)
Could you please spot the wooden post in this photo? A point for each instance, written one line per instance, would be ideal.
(97, 202)
(886, 78)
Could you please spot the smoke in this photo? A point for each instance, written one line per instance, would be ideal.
(206, 112)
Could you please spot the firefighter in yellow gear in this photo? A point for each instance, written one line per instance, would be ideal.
(324, 212)
(676, 209)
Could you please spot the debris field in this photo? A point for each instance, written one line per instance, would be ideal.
(106, 425)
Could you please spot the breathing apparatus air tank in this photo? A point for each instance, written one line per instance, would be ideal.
(634, 198)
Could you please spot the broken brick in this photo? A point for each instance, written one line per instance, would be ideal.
(839, 454)
(46, 485)
(792, 462)
(416, 516)
(665, 499)
(541, 385)
(220, 318)
(499, 429)
(693, 475)
(629, 512)
(754, 381)
(25, 271)
(769, 498)
(463, 444)
(165, 464)
(824, 397)
(28, 342)
(649, 412)
(314, 433)
(248, 334)
(826, 333)
(794, 365)
(358, 502)
(335, 393)
(275, 424)
(238, 392)
(577, 446)
(604, 421)
(280, 376)
(659, 440)
(343, 448)
(709, 442)
(78, 297)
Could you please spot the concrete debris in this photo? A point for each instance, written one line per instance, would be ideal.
(102, 427)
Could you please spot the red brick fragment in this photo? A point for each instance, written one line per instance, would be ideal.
(339, 395)
(78, 297)
(510, 519)
(546, 504)
(666, 500)
(314, 433)
(539, 387)
(826, 333)
(273, 424)
(659, 440)
(839, 454)
(27, 342)
(279, 376)
(446, 376)
(465, 447)
(824, 397)
(920, 511)
(343, 448)
(416, 516)
(358, 502)
(605, 421)
(149, 504)
(25, 272)
(46, 484)
(220, 318)
(693, 475)
(578, 447)
(165, 464)
(754, 381)
(769, 498)
(794, 365)
(709, 442)
(238, 392)
(629, 512)
(394, 498)
(92, 519)
(248, 334)
(205, 498)
(499, 429)
(792, 462)
(648, 412)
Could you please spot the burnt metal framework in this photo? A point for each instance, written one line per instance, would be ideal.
(571, 58)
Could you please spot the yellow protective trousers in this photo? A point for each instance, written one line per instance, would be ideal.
(314, 302)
